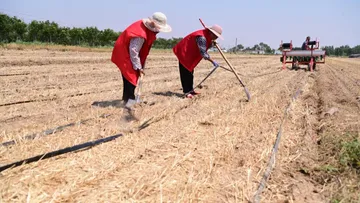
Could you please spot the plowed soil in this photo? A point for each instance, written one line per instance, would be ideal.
(213, 148)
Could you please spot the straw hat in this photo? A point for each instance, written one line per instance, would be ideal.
(216, 30)
(159, 20)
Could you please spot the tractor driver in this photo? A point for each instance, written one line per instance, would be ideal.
(304, 45)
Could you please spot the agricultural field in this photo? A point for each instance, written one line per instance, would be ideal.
(213, 148)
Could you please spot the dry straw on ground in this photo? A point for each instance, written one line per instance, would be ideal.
(213, 148)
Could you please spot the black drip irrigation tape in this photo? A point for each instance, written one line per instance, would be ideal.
(51, 131)
(22, 102)
(271, 162)
(59, 152)
(14, 74)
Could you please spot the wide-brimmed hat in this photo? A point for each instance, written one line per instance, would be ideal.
(216, 30)
(157, 23)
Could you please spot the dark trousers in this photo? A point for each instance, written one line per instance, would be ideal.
(128, 90)
(186, 78)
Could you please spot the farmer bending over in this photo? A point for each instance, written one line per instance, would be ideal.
(132, 48)
(190, 51)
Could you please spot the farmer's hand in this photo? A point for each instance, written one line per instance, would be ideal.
(215, 64)
(213, 44)
(141, 72)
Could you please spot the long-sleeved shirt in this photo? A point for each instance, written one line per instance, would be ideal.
(201, 42)
(137, 42)
(134, 49)
(303, 47)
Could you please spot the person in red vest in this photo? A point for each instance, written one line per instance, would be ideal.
(190, 51)
(132, 48)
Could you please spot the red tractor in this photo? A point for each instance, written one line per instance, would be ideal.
(310, 57)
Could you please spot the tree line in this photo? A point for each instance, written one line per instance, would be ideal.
(342, 50)
(13, 29)
(257, 47)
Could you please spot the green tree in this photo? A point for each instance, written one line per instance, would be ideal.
(76, 35)
(338, 51)
(265, 48)
(107, 37)
(356, 49)
(34, 31)
(91, 36)
(174, 41)
(240, 47)
(11, 29)
(256, 47)
(329, 50)
(64, 36)
(236, 48)
(19, 28)
(4, 27)
(160, 43)
(347, 50)
(50, 32)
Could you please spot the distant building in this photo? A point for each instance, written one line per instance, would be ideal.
(254, 51)
(214, 49)
(277, 52)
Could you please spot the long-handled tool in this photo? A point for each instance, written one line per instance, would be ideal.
(131, 113)
(211, 72)
(132, 102)
(225, 68)
(237, 76)
(138, 93)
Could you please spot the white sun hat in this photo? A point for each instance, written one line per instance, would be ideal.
(216, 30)
(159, 20)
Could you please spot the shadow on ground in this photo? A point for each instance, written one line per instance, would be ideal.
(169, 94)
(111, 103)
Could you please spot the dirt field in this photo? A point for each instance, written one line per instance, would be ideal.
(213, 148)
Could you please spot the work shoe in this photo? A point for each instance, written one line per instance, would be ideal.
(194, 93)
(130, 103)
(190, 96)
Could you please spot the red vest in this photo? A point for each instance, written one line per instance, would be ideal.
(187, 50)
(121, 56)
